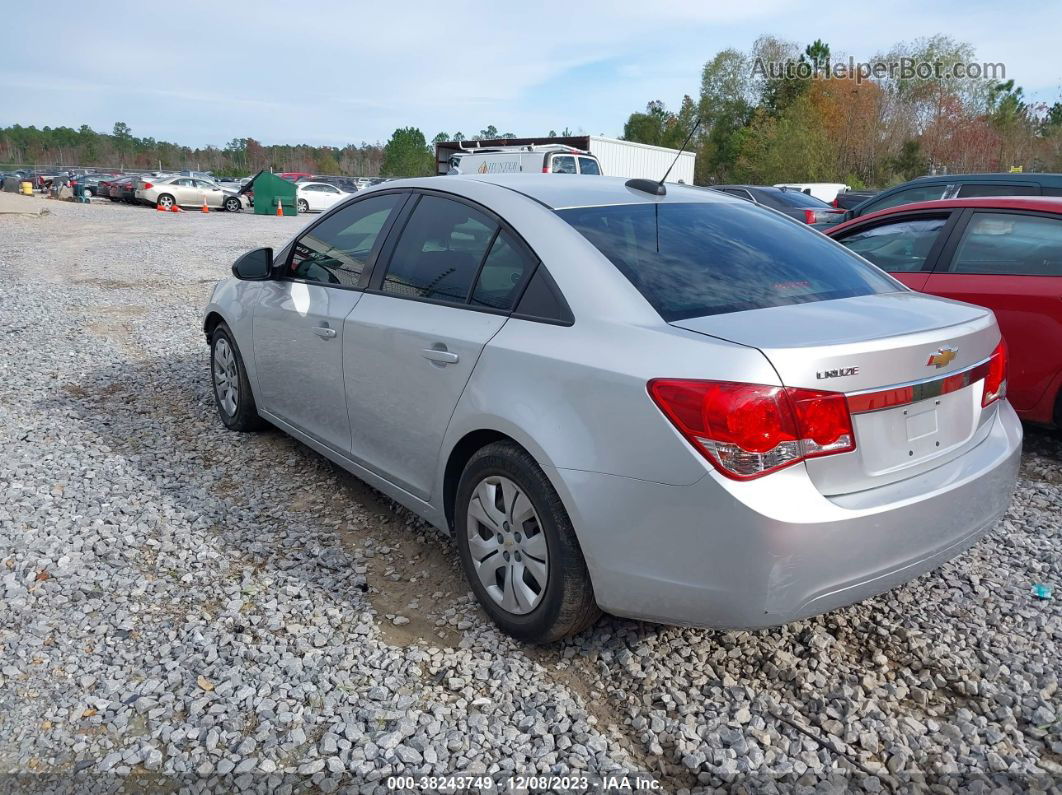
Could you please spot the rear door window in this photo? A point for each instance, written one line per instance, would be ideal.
(587, 165)
(563, 164)
(502, 273)
(695, 259)
(1010, 243)
(920, 193)
(337, 250)
(440, 251)
(996, 189)
(898, 247)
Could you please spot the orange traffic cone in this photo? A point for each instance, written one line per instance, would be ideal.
(205, 209)
(176, 209)
(280, 208)
(160, 209)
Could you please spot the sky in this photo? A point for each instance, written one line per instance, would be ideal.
(325, 72)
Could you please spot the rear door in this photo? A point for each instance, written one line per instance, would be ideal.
(1011, 262)
(562, 164)
(443, 289)
(298, 321)
(904, 245)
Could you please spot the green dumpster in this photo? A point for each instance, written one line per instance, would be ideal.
(271, 191)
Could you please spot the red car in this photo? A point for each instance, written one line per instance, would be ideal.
(999, 252)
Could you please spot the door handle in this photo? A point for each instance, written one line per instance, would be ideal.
(442, 357)
(324, 332)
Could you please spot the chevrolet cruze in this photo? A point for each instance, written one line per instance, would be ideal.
(669, 405)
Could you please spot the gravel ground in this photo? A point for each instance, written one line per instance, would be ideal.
(184, 606)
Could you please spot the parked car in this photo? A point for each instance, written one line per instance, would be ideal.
(294, 176)
(796, 204)
(1002, 253)
(680, 408)
(189, 192)
(345, 184)
(530, 159)
(961, 186)
(90, 183)
(847, 200)
(317, 196)
(824, 191)
(123, 189)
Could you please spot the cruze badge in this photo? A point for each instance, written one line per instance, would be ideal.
(838, 373)
(943, 357)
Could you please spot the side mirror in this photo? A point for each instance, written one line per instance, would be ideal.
(254, 265)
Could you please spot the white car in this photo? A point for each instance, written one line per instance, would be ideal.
(824, 191)
(317, 196)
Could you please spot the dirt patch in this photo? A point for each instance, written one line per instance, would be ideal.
(417, 578)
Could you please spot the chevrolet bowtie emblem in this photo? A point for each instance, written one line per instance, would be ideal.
(943, 357)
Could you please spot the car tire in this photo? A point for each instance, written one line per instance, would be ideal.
(166, 201)
(233, 205)
(496, 554)
(228, 378)
(304, 206)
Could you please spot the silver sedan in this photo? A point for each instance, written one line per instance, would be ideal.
(675, 406)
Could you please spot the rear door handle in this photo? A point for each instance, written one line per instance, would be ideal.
(442, 357)
(324, 332)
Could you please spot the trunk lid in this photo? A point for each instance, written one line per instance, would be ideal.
(863, 345)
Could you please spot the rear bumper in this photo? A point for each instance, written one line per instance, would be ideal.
(762, 553)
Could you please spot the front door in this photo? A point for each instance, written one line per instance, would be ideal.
(298, 321)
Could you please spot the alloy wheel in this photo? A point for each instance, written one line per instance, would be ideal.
(507, 545)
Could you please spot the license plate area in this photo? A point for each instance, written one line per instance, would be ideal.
(893, 439)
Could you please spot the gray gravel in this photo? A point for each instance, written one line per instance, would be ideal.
(184, 606)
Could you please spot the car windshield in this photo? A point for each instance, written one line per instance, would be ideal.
(796, 198)
(708, 258)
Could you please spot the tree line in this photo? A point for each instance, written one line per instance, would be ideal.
(406, 153)
(800, 121)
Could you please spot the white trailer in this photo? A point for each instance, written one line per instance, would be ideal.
(617, 158)
(629, 159)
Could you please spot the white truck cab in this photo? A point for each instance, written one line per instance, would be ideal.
(531, 159)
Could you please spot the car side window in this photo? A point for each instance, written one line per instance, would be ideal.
(562, 164)
(898, 247)
(184, 183)
(1010, 243)
(989, 189)
(337, 250)
(587, 165)
(920, 193)
(741, 194)
(439, 252)
(502, 274)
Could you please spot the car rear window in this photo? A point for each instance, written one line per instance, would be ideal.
(796, 198)
(695, 259)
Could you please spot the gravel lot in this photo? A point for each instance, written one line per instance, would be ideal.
(184, 606)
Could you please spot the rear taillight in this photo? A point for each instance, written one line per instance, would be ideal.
(809, 216)
(545, 168)
(996, 378)
(834, 203)
(749, 430)
(148, 186)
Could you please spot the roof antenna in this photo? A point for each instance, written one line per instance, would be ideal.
(657, 188)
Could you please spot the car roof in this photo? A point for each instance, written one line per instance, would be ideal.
(1039, 177)
(1049, 204)
(564, 191)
